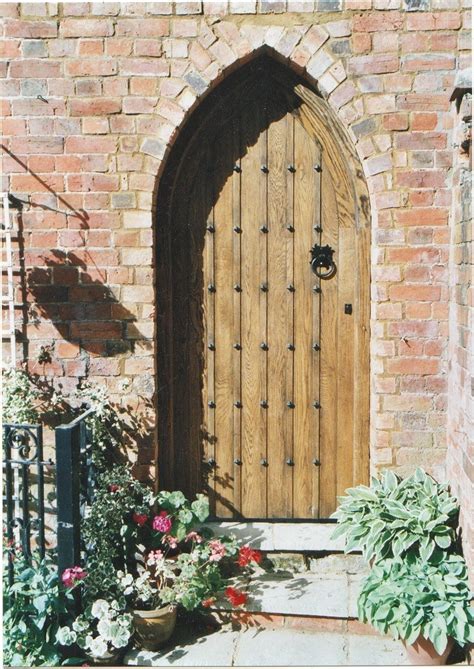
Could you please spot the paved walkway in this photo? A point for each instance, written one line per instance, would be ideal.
(263, 647)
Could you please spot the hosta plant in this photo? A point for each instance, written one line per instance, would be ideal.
(395, 516)
(410, 597)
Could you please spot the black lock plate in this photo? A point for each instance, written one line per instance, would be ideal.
(348, 309)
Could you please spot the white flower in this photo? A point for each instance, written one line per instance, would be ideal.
(65, 636)
(97, 647)
(100, 608)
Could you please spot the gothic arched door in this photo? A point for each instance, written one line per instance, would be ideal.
(262, 364)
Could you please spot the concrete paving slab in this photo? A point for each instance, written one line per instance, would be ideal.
(282, 536)
(299, 594)
(375, 650)
(216, 649)
(286, 648)
(337, 563)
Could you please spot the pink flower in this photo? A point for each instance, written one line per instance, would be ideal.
(113, 487)
(154, 557)
(171, 541)
(72, 576)
(162, 523)
(194, 536)
(217, 550)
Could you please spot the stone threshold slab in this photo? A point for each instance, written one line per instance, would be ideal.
(277, 536)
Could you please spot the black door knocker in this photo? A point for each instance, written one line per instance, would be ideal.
(322, 259)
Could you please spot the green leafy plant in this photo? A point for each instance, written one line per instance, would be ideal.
(32, 608)
(20, 398)
(102, 629)
(395, 516)
(104, 425)
(411, 597)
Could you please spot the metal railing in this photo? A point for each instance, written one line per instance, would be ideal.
(24, 488)
(25, 512)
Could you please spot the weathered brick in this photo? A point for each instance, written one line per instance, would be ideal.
(430, 62)
(148, 27)
(373, 64)
(377, 21)
(144, 67)
(30, 29)
(84, 27)
(434, 21)
(86, 67)
(95, 106)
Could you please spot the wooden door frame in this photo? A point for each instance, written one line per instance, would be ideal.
(316, 114)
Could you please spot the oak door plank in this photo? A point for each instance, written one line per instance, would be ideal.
(253, 314)
(328, 355)
(306, 432)
(224, 329)
(280, 372)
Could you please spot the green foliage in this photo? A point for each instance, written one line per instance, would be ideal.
(104, 425)
(408, 597)
(185, 514)
(109, 535)
(32, 607)
(397, 516)
(20, 398)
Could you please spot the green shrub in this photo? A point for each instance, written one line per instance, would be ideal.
(411, 597)
(395, 516)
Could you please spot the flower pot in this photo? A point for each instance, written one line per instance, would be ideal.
(111, 658)
(422, 652)
(154, 628)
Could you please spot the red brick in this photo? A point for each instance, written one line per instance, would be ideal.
(444, 42)
(415, 293)
(147, 47)
(421, 140)
(433, 21)
(421, 178)
(412, 43)
(423, 102)
(35, 69)
(145, 66)
(94, 106)
(373, 64)
(142, 27)
(104, 367)
(65, 349)
(424, 121)
(90, 144)
(97, 330)
(89, 67)
(415, 255)
(420, 366)
(421, 198)
(91, 47)
(75, 368)
(377, 21)
(45, 240)
(419, 216)
(119, 47)
(395, 121)
(65, 276)
(30, 29)
(34, 184)
(428, 62)
(86, 27)
(72, 238)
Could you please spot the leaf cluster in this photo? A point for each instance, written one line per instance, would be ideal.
(32, 610)
(414, 597)
(397, 516)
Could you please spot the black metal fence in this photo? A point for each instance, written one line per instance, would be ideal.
(24, 488)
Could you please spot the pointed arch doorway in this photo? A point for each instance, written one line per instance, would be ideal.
(263, 369)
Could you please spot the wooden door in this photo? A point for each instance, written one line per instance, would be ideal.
(268, 410)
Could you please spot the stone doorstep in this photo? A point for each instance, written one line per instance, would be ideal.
(311, 537)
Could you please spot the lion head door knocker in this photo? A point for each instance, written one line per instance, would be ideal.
(322, 262)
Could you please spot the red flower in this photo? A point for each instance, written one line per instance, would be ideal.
(247, 555)
(235, 597)
(113, 487)
(140, 518)
(208, 602)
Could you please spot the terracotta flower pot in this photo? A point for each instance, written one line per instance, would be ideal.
(154, 628)
(111, 658)
(422, 652)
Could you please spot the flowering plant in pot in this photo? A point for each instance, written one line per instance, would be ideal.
(424, 603)
(396, 516)
(102, 631)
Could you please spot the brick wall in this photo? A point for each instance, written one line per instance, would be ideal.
(95, 94)
(460, 456)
